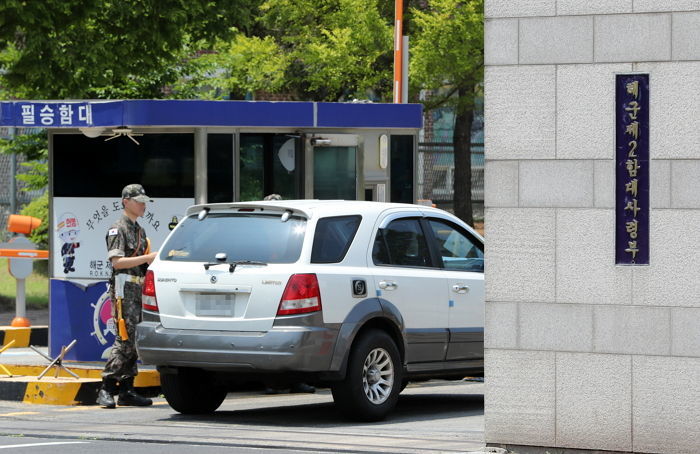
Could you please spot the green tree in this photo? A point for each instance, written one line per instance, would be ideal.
(39, 208)
(233, 68)
(34, 147)
(447, 56)
(321, 50)
(65, 49)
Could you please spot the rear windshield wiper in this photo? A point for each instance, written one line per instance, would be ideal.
(232, 265)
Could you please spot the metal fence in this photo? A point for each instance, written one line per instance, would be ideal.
(8, 168)
(436, 171)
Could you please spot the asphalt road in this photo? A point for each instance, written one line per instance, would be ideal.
(28, 445)
(435, 416)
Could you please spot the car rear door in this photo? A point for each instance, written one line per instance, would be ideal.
(406, 276)
(462, 257)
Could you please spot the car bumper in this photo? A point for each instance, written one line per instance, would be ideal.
(283, 348)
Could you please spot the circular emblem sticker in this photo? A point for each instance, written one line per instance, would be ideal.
(102, 321)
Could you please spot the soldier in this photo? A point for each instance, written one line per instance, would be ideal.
(127, 248)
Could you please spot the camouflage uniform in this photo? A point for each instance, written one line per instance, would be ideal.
(126, 238)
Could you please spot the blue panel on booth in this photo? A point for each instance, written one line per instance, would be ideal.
(82, 313)
(172, 113)
(218, 113)
(61, 114)
(369, 115)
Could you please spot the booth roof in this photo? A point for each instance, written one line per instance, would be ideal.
(164, 113)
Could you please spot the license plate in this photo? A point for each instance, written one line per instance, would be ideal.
(215, 304)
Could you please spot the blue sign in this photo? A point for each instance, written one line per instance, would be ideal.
(150, 112)
(81, 313)
(48, 115)
(632, 169)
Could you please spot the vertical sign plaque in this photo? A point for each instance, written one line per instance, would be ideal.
(632, 169)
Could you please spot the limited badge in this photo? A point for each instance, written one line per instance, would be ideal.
(359, 288)
(112, 232)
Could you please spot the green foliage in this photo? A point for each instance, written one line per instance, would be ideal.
(324, 50)
(64, 49)
(35, 149)
(32, 146)
(447, 51)
(339, 48)
(242, 64)
(39, 208)
(447, 57)
(36, 176)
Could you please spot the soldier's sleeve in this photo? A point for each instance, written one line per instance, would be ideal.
(116, 243)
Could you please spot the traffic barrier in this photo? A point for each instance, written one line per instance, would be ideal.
(24, 337)
(51, 391)
(65, 390)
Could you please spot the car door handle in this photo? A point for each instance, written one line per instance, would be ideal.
(460, 288)
(388, 285)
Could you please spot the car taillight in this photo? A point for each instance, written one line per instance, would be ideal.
(148, 294)
(301, 295)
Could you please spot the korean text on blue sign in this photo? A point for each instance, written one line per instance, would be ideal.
(44, 115)
(632, 169)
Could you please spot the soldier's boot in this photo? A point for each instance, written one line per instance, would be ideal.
(129, 397)
(108, 389)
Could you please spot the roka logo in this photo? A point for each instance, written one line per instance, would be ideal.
(102, 320)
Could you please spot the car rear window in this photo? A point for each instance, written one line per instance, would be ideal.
(241, 236)
(333, 238)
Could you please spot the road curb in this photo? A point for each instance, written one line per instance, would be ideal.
(49, 390)
(24, 386)
(24, 337)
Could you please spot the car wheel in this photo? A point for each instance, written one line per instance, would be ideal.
(192, 391)
(373, 380)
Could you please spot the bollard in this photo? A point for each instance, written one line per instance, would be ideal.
(21, 252)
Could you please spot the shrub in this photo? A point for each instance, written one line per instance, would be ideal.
(39, 208)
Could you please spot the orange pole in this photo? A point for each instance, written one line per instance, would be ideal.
(398, 50)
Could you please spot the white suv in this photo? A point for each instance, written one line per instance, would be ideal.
(358, 296)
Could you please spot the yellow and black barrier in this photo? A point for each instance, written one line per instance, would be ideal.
(50, 391)
(24, 386)
(24, 337)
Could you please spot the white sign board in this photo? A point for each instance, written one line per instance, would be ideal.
(80, 225)
(20, 268)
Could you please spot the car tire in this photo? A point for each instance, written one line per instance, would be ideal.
(192, 391)
(373, 380)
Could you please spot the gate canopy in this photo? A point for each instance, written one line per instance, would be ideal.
(199, 113)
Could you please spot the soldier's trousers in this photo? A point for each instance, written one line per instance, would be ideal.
(121, 364)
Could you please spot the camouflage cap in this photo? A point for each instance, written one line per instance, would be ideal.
(136, 192)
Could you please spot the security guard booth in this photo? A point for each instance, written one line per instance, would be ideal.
(191, 151)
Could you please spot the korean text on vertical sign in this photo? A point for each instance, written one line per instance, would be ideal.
(632, 169)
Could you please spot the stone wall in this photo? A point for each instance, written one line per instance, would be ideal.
(582, 353)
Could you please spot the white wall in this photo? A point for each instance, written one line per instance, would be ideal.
(582, 353)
